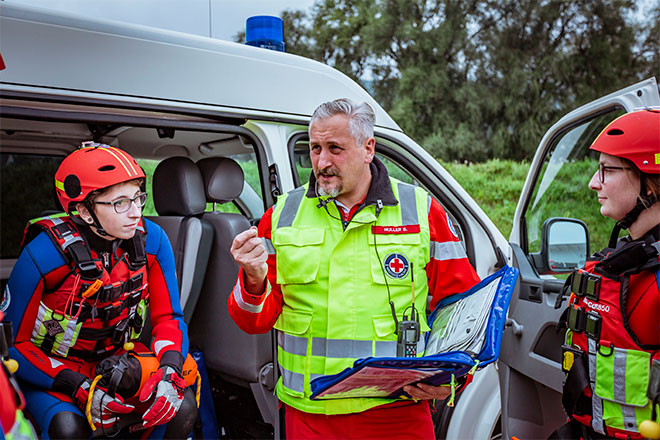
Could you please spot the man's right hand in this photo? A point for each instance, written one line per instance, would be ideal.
(250, 254)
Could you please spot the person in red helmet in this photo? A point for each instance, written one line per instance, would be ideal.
(78, 297)
(612, 350)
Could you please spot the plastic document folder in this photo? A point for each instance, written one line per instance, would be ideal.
(466, 331)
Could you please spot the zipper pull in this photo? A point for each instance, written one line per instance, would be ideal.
(106, 260)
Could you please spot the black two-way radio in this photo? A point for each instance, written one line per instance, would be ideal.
(408, 330)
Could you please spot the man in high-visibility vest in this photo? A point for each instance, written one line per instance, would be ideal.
(331, 267)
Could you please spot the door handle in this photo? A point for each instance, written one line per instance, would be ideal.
(516, 328)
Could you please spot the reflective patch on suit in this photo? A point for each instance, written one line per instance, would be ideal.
(451, 227)
(6, 299)
(53, 327)
(396, 265)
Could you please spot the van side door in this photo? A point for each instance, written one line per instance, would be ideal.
(556, 186)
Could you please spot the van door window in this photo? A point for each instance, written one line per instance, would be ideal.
(562, 186)
(27, 191)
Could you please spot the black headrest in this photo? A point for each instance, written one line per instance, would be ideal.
(178, 187)
(223, 178)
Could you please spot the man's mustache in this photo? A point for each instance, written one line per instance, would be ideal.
(327, 172)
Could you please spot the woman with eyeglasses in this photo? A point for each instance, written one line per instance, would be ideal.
(612, 352)
(78, 297)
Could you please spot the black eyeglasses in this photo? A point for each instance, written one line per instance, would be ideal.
(602, 170)
(123, 205)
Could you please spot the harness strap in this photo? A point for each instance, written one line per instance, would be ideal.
(110, 312)
(94, 355)
(576, 382)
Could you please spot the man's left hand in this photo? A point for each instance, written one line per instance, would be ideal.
(422, 391)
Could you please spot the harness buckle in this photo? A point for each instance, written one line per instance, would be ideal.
(586, 284)
(592, 325)
(120, 331)
(576, 318)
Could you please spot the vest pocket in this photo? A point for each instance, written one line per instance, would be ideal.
(396, 251)
(298, 254)
(292, 348)
(53, 332)
(623, 376)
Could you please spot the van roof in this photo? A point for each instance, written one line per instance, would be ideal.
(56, 51)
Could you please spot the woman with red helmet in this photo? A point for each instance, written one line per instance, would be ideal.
(612, 350)
(79, 294)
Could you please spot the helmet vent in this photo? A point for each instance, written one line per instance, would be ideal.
(107, 168)
(615, 132)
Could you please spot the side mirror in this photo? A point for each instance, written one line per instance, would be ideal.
(564, 246)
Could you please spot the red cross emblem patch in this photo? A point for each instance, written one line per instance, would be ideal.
(396, 265)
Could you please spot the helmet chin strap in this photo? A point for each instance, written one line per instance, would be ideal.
(96, 223)
(644, 201)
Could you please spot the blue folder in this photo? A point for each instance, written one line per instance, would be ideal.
(450, 348)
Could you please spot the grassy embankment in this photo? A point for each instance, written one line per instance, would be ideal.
(496, 185)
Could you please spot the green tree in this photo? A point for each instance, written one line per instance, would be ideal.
(477, 79)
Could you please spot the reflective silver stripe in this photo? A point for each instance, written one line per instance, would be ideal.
(408, 203)
(67, 338)
(41, 313)
(341, 348)
(429, 202)
(238, 297)
(293, 381)
(619, 376)
(596, 402)
(447, 250)
(292, 344)
(55, 220)
(629, 419)
(385, 349)
(270, 250)
(290, 208)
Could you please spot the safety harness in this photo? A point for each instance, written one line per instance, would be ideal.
(102, 303)
(609, 385)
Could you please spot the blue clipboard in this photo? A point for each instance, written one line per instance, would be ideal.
(451, 323)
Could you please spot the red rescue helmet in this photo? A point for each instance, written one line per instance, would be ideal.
(634, 136)
(93, 166)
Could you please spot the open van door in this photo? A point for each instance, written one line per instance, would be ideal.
(556, 186)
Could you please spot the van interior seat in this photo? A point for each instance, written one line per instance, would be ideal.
(180, 200)
(227, 349)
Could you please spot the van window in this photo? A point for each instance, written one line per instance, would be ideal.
(26, 191)
(303, 168)
(562, 187)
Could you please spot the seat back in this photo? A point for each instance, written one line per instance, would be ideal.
(180, 200)
(227, 349)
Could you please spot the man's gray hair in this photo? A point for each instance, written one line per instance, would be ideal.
(361, 117)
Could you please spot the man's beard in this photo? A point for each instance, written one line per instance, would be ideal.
(332, 192)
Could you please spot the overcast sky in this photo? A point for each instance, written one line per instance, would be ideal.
(220, 19)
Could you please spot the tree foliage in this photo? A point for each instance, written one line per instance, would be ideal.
(477, 79)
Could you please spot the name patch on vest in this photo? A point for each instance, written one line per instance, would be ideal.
(405, 229)
(396, 265)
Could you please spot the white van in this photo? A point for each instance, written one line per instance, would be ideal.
(160, 94)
